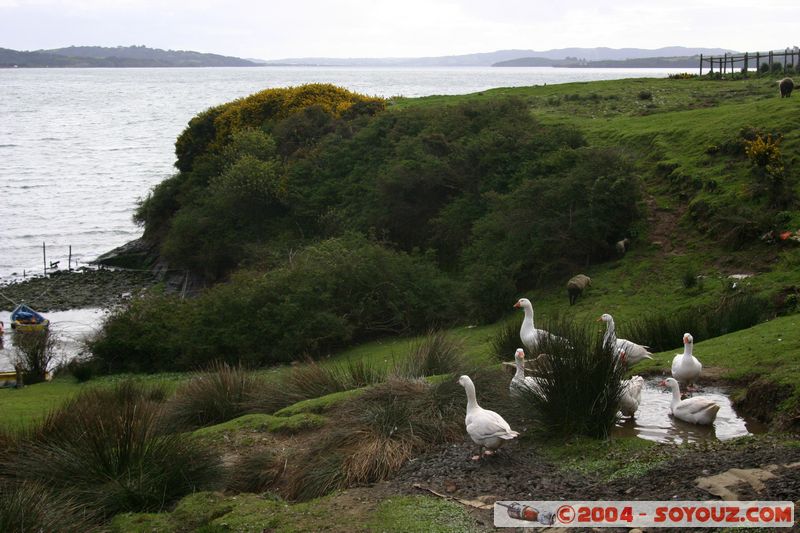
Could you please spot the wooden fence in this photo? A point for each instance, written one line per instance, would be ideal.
(731, 63)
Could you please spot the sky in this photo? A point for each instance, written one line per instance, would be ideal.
(399, 28)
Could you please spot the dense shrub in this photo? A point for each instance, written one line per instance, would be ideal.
(103, 449)
(569, 211)
(337, 291)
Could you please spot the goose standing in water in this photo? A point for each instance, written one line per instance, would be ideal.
(486, 428)
(686, 367)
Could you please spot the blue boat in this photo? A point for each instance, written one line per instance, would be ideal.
(25, 319)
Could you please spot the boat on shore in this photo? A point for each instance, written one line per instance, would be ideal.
(25, 320)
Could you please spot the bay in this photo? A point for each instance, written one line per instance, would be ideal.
(80, 147)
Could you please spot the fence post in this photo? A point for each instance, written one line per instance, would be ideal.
(44, 259)
(746, 65)
(724, 64)
(69, 260)
(758, 63)
(701, 64)
(770, 61)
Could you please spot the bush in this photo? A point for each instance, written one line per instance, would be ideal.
(565, 213)
(580, 382)
(645, 95)
(35, 354)
(336, 292)
(102, 448)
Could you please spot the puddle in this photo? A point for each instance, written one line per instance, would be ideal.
(653, 421)
(71, 327)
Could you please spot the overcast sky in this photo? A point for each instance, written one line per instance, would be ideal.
(397, 28)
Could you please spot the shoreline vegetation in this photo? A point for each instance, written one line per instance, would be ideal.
(360, 254)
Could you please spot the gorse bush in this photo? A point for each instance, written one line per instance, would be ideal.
(103, 449)
(579, 385)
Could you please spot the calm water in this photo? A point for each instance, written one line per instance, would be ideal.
(79, 147)
(653, 421)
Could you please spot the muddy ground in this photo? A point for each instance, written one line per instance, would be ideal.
(520, 472)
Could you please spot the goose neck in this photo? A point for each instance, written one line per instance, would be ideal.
(687, 350)
(527, 322)
(472, 401)
(676, 395)
(611, 333)
(520, 374)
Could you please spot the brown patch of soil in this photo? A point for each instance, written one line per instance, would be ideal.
(519, 472)
(662, 224)
(760, 399)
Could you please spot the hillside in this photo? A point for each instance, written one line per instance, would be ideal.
(486, 59)
(689, 62)
(117, 57)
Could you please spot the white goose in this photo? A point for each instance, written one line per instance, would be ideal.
(486, 428)
(630, 352)
(521, 383)
(697, 410)
(685, 367)
(631, 395)
(528, 334)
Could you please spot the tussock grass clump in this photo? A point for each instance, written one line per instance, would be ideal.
(437, 353)
(216, 395)
(313, 380)
(254, 472)
(580, 382)
(506, 341)
(31, 506)
(665, 332)
(373, 436)
(103, 449)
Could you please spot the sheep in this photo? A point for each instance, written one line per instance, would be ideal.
(576, 285)
(786, 85)
(622, 246)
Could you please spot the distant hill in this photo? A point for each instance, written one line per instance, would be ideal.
(643, 62)
(490, 58)
(120, 56)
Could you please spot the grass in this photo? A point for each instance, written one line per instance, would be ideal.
(287, 425)
(218, 394)
(103, 449)
(250, 512)
(608, 459)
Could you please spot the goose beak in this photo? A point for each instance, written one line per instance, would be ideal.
(598, 319)
(517, 305)
(663, 383)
